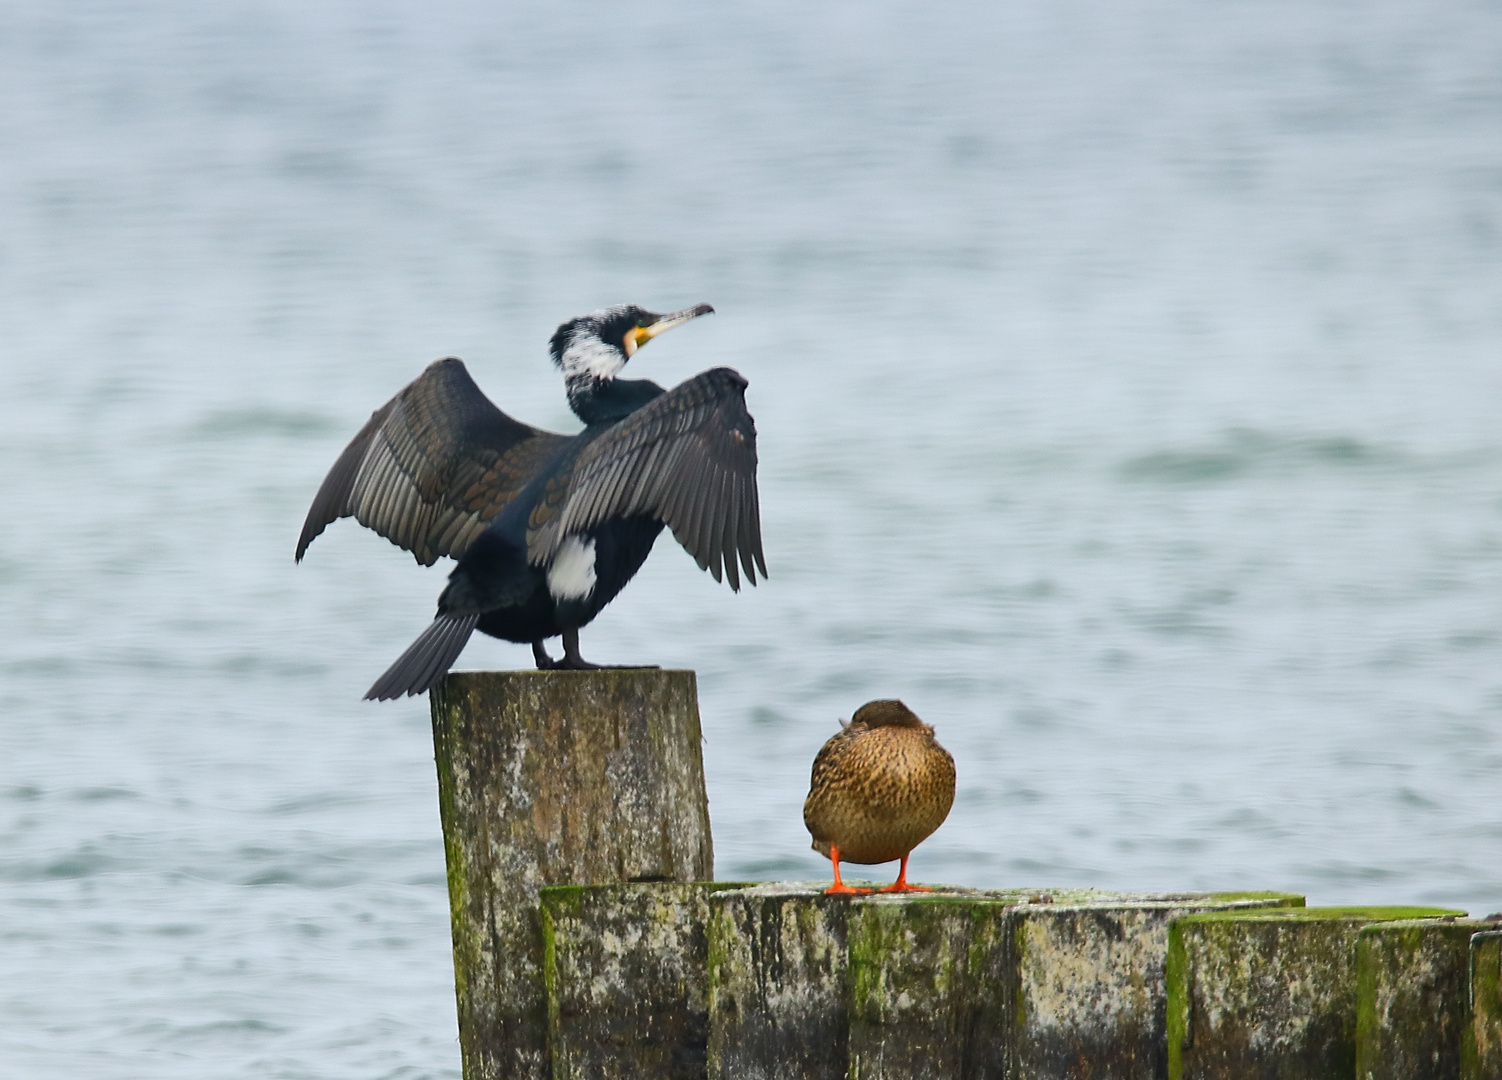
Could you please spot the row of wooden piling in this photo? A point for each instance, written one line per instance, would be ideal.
(778, 981)
(589, 942)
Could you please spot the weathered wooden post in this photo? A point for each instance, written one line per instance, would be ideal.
(627, 976)
(928, 982)
(960, 984)
(551, 778)
(777, 980)
(1413, 1007)
(1089, 985)
(1481, 1050)
(1268, 993)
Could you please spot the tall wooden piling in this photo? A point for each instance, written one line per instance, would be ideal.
(552, 778)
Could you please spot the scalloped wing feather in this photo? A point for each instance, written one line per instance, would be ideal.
(431, 467)
(687, 459)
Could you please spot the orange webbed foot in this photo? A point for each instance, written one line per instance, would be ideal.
(901, 885)
(839, 888)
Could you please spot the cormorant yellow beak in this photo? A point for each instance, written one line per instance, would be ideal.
(638, 336)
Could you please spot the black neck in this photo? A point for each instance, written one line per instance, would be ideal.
(604, 401)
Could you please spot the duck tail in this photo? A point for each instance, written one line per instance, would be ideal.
(426, 660)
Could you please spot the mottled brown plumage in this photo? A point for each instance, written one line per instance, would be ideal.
(879, 788)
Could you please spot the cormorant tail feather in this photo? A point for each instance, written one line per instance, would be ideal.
(426, 660)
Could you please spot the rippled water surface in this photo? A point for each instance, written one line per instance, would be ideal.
(1128, 384)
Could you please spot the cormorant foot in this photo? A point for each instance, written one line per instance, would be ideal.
(575, 663)
(572, 661)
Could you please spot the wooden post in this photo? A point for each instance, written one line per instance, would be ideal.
(1268, 993)
(963, 983)
(1089, 980)
(1481, 1049)
(552, 778)
(1413, 1003)
(628, 986)
(928, 986)
(777, 983)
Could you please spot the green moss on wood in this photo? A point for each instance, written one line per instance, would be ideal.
(1180, 993)
(629, 802)
(1250, 991)
(1276, 899)
(1481, 1047)
(1090, 992)
(1412, 1000)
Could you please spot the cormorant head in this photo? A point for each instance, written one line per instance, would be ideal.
(596, 346)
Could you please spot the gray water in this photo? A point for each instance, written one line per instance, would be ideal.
(1127, 380)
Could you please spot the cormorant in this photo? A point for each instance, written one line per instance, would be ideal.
(547, 528)
(879, 789)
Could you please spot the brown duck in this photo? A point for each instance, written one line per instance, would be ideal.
(879, 789)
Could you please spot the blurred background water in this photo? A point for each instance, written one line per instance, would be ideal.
(1127, 379)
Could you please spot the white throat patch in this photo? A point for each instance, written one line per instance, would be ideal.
(572, 575)
(588, 355)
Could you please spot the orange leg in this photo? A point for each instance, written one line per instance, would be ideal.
(839, 886)
(901, 885)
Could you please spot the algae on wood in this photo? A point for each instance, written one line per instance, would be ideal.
(928, 979)
(1088, 979)
(777, 989)
(1481, 1057)
(961, 985)
(1413, 999)
(550, 778)
(1268, 993)
(627, 979)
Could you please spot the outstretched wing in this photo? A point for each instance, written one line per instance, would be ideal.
(687, 459)
(431, 467)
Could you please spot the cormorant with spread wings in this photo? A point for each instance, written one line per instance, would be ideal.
(547, 528)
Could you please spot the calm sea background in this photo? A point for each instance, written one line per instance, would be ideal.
(1128, 383)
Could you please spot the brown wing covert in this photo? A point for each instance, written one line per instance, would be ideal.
(688, 459)
(431, 467)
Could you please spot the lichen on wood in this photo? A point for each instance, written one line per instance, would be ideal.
(963, 984)
(626, 973)
(1481, 1049)
(1412, 998)
(1268, 993)
(547, 778)
(927, 986)
(777, 990)
(1088, 979)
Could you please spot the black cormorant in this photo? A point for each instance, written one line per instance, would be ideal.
(547, 528)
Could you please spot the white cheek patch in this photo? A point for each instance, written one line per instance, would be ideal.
(591, 356)
(572, 575)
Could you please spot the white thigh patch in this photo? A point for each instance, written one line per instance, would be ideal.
(572, 575)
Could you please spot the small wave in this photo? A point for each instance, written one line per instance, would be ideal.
(257, 423)
(83, 863)
(1242, 452)
(102, 794)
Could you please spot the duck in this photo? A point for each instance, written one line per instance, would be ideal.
(546, 529)
(879, 788)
